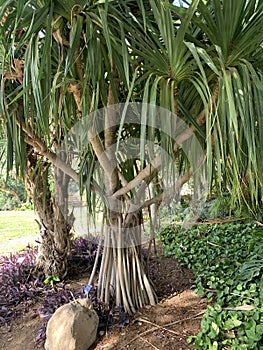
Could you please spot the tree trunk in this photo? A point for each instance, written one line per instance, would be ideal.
(55, 224)
(122, 274)
(122, 277)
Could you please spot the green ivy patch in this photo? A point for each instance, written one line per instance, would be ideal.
(227, 260)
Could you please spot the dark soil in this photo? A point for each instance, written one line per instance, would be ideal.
(166, 325)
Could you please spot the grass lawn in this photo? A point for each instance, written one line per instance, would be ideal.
(17, 229)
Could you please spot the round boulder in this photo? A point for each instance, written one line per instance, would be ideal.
(73, 326)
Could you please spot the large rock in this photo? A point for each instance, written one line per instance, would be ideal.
(72, 327)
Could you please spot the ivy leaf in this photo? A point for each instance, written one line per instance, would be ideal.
(232, 323)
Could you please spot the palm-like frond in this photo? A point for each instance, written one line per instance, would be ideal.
(233, 136)
(234, 26)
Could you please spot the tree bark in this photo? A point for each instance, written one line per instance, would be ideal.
(55, 224)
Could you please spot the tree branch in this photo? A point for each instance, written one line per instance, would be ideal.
(110, 131)
(75, 89)
(93, 138)
(12, 193)
(33, 140)
(157, 161)
(144, 174)
(168, 194)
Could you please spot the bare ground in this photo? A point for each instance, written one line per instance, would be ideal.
(166, 325)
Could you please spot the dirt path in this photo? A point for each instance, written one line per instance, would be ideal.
(164, 326)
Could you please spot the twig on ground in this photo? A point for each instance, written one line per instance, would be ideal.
(186, 319)
(213, 244)
(242, 296)
(244, 307)
(156, 326)
(148, 342)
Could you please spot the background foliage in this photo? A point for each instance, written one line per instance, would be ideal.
(13, 196)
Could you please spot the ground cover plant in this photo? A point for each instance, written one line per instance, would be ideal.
(228, 266)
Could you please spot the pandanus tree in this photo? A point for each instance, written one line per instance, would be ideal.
(71, 66)
(230, 51)
(222, 72)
